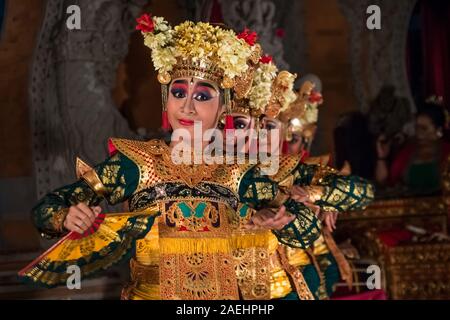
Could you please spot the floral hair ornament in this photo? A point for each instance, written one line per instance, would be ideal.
(302, 115)
(199, 50)
(270, 92)
(258, 91)
(283, 96)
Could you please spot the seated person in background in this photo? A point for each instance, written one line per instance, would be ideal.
(419, 164)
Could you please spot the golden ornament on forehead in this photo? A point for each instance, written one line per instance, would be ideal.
(256, 113)
(273, 109)
(164, 78)
(227, 83)
(199, 68)
(239, 106)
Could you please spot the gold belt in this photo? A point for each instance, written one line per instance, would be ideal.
(144, 273)
(280, 285)
(144, 283)
(298, 257)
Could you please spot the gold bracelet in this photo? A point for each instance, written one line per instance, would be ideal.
(58, 219)
(315, 193)
(279, 199)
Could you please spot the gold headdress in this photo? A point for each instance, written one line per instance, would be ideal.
(270, 92)
(302, 115)
(200, 50)
(283, 94)
(259, 84)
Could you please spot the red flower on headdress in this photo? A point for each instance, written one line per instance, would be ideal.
(266, 59)
(315, 96)
(145, 23)
(249, 36)
(279, 32)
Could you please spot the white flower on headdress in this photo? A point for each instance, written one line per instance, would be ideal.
(199, 42)
(163, 54)
(289, 95)
(233, 54)
(163, 59)
(311, 114)
(260, 92)
(161, 24)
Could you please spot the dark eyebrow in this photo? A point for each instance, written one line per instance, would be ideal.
(180, 82)
(206, 84)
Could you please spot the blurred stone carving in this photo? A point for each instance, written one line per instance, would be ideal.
(73, 74)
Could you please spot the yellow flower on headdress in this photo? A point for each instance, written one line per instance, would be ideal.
(261, 90)
(233, 55)
(288, 96)
(206, 46)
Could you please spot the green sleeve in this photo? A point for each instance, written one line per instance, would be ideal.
(339, 193)
(119, 176)
(303, 231)
(258, 191)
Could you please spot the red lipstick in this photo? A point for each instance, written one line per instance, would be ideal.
(186, 122)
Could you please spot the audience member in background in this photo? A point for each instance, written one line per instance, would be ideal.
(419, 164)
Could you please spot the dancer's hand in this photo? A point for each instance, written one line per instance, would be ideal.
(81, 217)
(268, 219)
(329, 219)
(299, 194)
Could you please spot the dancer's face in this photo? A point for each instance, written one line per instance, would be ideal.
(426, 131)
(193, 100)
(296, 145)
(270, 124)
(242, 123)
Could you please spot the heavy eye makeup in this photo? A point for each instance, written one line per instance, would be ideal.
(269, 124)
(296, 138)
(179, 90)
(204, 92)
(240, 122)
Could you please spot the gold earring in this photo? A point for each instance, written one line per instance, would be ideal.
(221, 122)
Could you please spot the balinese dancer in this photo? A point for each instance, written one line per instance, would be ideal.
(185, 218)
(323, 264)
(271, 100)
